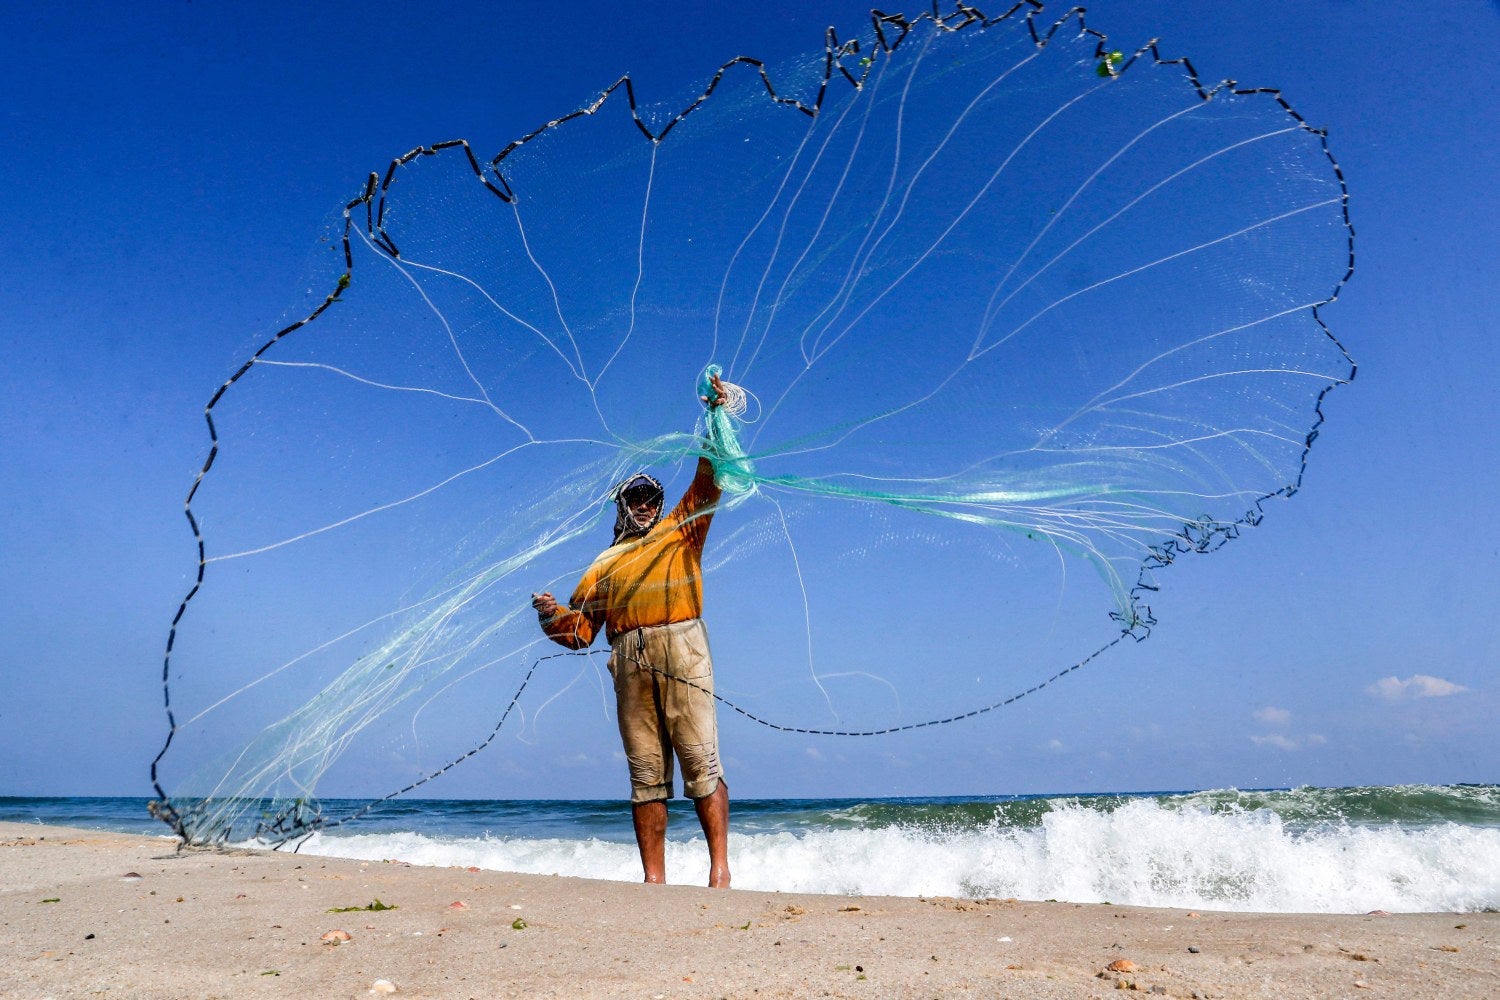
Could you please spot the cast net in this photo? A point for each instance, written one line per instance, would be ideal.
(1022, 320)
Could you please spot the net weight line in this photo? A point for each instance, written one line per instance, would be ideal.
(886, 731)
(287, 826)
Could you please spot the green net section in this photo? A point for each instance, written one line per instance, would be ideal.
(734, 471)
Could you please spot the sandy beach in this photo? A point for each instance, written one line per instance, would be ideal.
(88, 913)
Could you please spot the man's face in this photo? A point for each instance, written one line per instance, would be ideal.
(643, 506)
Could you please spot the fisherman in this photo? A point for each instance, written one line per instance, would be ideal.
(646, 590)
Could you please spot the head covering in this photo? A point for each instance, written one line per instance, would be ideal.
(626, 526)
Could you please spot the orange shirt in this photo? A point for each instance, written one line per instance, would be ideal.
(653, 579)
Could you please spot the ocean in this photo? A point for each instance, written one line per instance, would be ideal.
(1334, 850)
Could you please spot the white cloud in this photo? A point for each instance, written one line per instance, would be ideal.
(579, 759)
(1415, 686)
(1055, 746)
(892, 760)
(813, 753)
(1276, 717)
(1283, 742)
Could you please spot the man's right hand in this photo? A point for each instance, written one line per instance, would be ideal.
(545, 604)
(719, 394)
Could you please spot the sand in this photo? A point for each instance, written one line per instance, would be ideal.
(87, 913)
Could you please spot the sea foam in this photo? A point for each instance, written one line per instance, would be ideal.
(1139, 853)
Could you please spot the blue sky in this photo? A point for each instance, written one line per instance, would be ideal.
(178, 164)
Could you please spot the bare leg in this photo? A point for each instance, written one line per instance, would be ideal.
(651, 837)
(713, 814)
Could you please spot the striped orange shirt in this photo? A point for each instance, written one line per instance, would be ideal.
(653, 579)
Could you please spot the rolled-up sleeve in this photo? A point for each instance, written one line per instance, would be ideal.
(576, 625)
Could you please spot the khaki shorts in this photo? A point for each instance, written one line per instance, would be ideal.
(664, 683)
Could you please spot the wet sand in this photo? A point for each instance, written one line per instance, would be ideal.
(85, 913)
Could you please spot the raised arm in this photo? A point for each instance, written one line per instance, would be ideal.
(701, 494)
